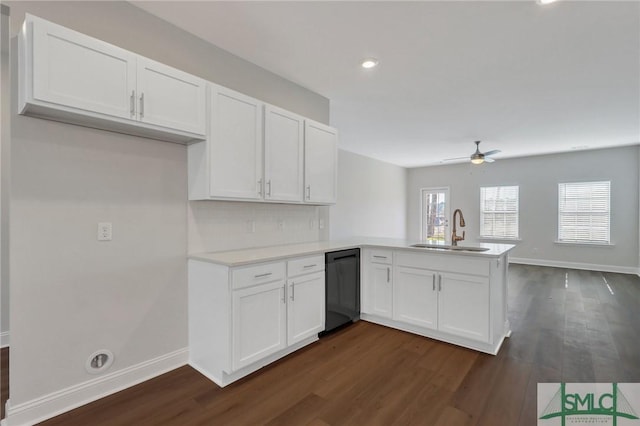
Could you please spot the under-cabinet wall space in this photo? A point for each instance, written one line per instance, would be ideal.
(230, 225)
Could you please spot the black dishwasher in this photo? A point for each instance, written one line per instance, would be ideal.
(342, 288)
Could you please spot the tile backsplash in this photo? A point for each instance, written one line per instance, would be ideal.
(228, 225)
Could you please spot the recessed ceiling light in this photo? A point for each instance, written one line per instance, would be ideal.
(545, 1)
(369, 63)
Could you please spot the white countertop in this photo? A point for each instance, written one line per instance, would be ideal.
(265, 254)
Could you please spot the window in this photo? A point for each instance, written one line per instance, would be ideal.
(584, 212)
(435, 211)
(499, 212)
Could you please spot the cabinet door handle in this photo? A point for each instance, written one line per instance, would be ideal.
(293, 291)
(439, 282)
(434, 282)
(269, 185)
(141, 105)
(379, 257)
(284, 294)
(260, 187)
(132, 103)
(310, 266)
(388, 274)
(308, 192)
(263, 275)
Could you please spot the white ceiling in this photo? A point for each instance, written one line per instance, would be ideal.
(524, 78)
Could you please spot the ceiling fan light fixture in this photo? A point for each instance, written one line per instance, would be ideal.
(477, 159)
(369, 63)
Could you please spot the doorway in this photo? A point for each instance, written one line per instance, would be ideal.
(434, 214)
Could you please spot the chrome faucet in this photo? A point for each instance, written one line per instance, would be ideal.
(454, 237)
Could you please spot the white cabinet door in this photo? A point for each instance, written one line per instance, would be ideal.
(235, 145)
(464, 305)
(320, 163)
(76, 71)
(415, 297)
(259, 323)
(380, 290)
(283, 155)
(170, 98)
(305, 311)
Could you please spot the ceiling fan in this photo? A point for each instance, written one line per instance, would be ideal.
(478, 157)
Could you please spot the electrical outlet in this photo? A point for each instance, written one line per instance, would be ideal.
(104, 231)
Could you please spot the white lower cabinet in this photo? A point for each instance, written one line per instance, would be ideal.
(259, 325)
(305, 307)
(415, 297)
(243, 318)
(446, 297)
(463, 304)
(381, 290)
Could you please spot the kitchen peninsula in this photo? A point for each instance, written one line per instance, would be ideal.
(248, 308)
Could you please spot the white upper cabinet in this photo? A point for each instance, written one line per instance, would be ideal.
(283, 155)
(258, 152)
(170, 98)
(320, 163)
(71, 77)
(70, 69)
(235, 145)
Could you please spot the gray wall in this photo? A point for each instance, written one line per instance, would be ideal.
(70, 294)
(538, 178)
(372, 198)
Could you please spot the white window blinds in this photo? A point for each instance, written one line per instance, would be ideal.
(499, 212)
(584, 212)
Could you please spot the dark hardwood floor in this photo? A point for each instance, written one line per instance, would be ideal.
(568, 325)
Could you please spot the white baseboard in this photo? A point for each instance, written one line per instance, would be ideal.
(575, 265)
(53, 404)
(4, 339)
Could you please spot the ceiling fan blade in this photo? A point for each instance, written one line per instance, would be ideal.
(495, 151)
(457, 158)
(488, 160)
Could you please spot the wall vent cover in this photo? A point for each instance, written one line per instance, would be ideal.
(99, 361)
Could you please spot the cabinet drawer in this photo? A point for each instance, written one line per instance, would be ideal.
(453, 263)
(381, 256)
(257, 274)
(305, 265)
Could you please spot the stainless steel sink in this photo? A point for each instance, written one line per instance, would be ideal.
(454, 248)
(463, 248)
